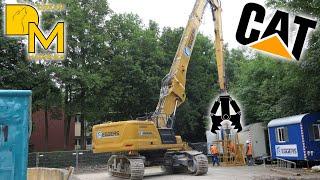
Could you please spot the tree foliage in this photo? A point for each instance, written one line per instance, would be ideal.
(311, 7)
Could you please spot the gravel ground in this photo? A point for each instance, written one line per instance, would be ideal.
(232, 173)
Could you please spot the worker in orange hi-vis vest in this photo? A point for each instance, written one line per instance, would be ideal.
(232, 147)
(250, 160)
(214, 152)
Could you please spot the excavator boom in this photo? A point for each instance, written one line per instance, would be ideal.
(172, 92)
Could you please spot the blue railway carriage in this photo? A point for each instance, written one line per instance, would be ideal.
(296, 137)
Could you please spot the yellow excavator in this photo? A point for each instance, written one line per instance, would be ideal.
(135, 144)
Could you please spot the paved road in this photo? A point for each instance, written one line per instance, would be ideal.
(224, 173)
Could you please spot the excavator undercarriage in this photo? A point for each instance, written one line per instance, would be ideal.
(132, 166)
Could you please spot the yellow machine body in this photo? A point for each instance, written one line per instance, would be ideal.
(132, 135)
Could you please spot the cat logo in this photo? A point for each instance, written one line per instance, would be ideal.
(275, 39)
(23, 20)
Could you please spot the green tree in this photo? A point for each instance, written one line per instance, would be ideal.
(81, 74)
(306, 6)
(18, 73)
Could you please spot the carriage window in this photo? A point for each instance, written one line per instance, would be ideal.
(282, 134)
(316, 132)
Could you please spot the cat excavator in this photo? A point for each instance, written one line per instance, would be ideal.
(135, 144)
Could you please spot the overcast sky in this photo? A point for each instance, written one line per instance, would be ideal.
(175, 13)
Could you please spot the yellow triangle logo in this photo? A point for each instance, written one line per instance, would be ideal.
(274, 45)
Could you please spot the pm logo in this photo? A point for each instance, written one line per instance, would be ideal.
(23, 20)
(275, 38)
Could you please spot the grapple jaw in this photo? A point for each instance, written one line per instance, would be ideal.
(224, 101)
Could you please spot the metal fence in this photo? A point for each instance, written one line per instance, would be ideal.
(83, 160)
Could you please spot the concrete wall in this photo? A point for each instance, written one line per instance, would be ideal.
(48, 174)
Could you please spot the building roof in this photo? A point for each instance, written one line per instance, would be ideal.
(286, 120)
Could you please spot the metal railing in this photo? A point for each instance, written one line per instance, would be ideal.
(82, 160)
(283, 163)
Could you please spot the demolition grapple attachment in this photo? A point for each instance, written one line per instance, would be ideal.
(225, 101)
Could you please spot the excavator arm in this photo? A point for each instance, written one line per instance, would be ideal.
(224, 100)
(172, 93)
(218, 43)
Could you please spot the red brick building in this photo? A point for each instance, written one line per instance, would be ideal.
(55, 132)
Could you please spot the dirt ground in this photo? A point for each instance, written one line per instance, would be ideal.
(226, 173)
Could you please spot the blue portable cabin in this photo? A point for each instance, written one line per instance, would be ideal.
(15, 121)
(295, 137)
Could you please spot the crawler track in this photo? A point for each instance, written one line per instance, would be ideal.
(132, 167)
(124, 167)
(137, 169)
(201, 164)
